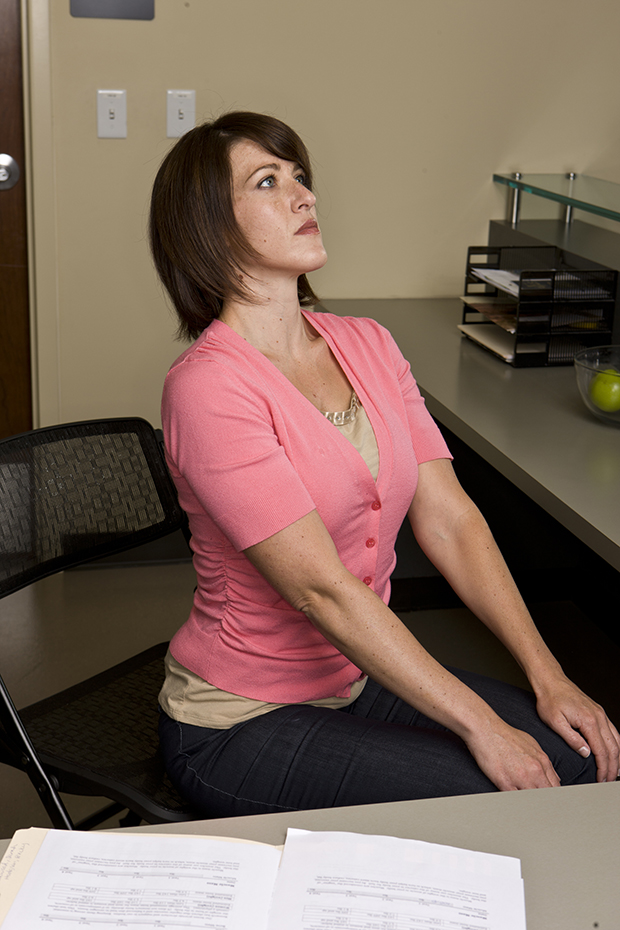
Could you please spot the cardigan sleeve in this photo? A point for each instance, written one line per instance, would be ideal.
(225, 455)
(428, 442)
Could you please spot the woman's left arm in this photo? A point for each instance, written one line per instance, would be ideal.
(456, 538)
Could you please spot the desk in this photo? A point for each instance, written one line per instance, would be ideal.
(566, 838)
(530, 424)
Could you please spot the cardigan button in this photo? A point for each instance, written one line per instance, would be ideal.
(376, 505)
(370, 543)
(367, 580)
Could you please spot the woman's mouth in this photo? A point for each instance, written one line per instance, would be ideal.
(309, 228)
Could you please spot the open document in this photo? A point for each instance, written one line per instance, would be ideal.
(356, 882)
(141, 881)
(60, 880)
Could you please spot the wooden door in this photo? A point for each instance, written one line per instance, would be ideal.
(15, 383)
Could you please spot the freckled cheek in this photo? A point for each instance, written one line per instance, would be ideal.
(260, 228)
(269, 232)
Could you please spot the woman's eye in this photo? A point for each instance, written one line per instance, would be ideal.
(302, 180)
(267, 182)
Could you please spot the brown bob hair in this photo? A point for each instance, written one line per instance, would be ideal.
(197, 246)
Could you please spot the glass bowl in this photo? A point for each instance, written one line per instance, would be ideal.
(598, 379)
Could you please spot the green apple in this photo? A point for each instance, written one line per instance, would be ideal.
(605, 390)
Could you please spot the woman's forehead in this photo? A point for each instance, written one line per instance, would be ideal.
(247, 157)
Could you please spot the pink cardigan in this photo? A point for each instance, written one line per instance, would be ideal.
(250, 455)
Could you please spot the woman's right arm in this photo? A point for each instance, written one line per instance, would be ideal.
(302, 564)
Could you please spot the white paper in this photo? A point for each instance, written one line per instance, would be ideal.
(507, 281)
(510, 281)
(492, 337)
(92, 879)
(348, 881)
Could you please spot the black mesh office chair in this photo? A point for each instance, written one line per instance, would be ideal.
(70, 494)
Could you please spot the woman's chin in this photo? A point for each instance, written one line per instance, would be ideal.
(319, 262)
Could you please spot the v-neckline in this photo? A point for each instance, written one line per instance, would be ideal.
(354, 382)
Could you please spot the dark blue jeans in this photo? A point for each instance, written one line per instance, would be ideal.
(376, 749)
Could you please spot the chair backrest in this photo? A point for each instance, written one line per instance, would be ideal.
(80, 491)
(70, 494)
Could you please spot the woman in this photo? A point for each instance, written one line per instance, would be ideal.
(298, 442)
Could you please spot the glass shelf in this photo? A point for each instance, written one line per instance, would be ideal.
(581, 192)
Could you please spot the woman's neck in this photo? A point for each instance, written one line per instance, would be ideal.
(280, 331)
(273, 324)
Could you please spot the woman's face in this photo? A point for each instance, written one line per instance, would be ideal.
(276, 212)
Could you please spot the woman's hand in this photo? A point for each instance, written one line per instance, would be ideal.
(511, 759)
(582, 723)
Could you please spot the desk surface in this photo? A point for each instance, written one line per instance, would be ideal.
(530, 424)
(566, 838)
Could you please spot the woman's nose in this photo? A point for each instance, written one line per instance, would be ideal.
(302, 197)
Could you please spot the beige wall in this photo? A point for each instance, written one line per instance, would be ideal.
(408, 107)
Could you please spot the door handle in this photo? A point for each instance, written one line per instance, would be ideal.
(9, 172)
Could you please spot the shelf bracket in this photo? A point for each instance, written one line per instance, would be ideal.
(514, 204)
(568, 214)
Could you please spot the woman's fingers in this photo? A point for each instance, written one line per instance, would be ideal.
(513, 760)
(584, 726)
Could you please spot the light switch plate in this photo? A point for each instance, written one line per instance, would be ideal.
(112, 114)
(180, 112)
